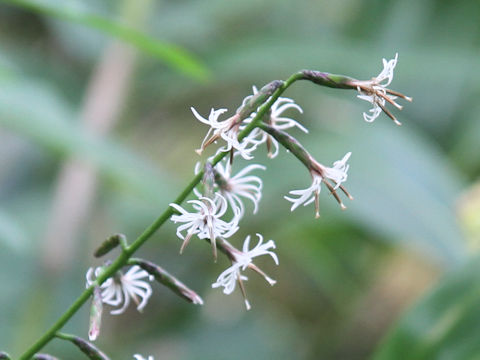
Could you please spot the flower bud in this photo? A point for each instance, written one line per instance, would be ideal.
(164, 278)
(329, 80)
(109, 244)
(95, 314)
(208, 181)
(259, 98)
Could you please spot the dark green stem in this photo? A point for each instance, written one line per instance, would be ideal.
(130, 250)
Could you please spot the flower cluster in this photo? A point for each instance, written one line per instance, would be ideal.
(218, 209)
(241, 260)
(322, 174)
(375, 91)
(205, 221)
(119, 290)
(275, 119)
(214, 215)
(227, 130)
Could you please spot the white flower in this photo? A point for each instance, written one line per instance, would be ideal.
(123, 287)
(227, 130)
(337, 174)
(240, 261)
(206, 221)
(375, 92)
(233, 188)
(284, 123)
(257, 136)
(140, 357)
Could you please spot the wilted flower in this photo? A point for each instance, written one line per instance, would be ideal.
(320, 173)
(375, 92)
(227, 130)
(123, 287)
(240, 261)
(96, 310)
(206, 221)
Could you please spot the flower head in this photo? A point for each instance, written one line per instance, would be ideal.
(227, 130)
(241, 185)
(375, 91)
(123, 287)
(205, 221)
(241, 260)
(275, 119)
(322, 174)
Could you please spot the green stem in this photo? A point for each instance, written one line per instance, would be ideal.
(130, 250)
(289, 143)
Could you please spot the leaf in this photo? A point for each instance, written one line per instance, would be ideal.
(444, 325)
(172, 55)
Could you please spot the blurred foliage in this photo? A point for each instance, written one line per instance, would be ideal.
(342, 279)
(76, 12)
(444, 325)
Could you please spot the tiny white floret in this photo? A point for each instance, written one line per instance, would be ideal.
(243, 260)
(337, 174)
(241, 185)
(122, 288)
(375, 91)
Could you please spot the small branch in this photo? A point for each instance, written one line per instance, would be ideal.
(168, 280)
(84, 346)
(290, 143)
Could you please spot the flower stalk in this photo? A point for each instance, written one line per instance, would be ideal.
(90, 350)
(168, 280)
(329, 80)
(289, 143)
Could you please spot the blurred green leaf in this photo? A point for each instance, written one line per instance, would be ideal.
(444, 325)
(172, 55)
(403, 186)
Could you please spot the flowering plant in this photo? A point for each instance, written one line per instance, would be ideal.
(216, 212)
